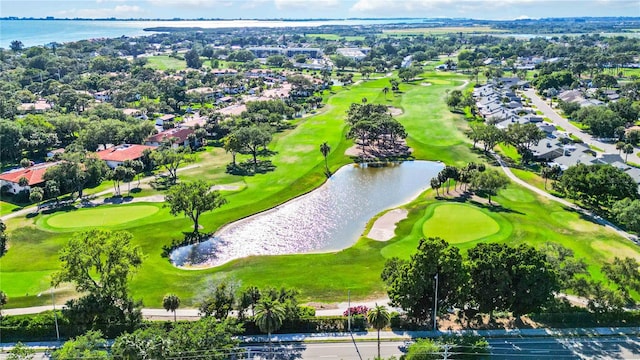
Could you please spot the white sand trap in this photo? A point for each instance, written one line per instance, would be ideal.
(225, 187)
(425, 84)
(384, 228)
(395, 111)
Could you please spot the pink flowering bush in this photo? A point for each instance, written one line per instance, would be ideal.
(357, 310)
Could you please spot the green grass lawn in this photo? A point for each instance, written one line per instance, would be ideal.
(164, 62)
(7, 208)
(101, 216)
(434, 134)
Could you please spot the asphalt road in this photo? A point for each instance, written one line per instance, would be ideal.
(561, 348)
(566, 348)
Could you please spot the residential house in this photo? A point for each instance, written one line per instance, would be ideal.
(224, 72)
(10, 180)
(165, 118)
(116, 155)
(178, 137)
(39, 106)
(103, 96)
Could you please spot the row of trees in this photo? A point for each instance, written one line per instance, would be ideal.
(598, 186)
(473, 175)
(495, 277)
(520, 136)
(501, 277)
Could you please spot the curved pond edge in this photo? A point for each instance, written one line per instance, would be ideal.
(363, 235)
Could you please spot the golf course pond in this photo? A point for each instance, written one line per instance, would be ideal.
(329, 218)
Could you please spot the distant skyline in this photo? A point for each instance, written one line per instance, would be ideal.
(296, 9)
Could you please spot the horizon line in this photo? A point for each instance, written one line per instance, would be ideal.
(310, 19)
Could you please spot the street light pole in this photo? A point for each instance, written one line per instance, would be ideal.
(435, 306)
(349, 310)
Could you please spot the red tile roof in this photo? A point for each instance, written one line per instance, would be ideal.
(179, 133)
(122, 153)
(33, 174)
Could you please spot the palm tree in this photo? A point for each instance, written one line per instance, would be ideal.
(269, 316)
(379, 318)
(171, 302)
(628, 149)
(325, 149)
(619, 146)
(435, 185)
(385, 91)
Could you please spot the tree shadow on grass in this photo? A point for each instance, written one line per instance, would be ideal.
(64, 208)
(466, 198)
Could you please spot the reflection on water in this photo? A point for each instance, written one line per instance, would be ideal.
(331, 217)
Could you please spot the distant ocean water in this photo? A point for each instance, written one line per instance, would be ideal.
(40, 32)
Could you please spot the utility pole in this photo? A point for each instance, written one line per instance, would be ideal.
(349, 310)
(435, 306)
(55, 316)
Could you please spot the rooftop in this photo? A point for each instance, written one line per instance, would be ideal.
(33, 174)
(123, 152)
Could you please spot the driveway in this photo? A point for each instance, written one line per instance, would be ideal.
(550, 113)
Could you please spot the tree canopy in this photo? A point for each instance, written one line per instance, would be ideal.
(411, 284)
(192, 199)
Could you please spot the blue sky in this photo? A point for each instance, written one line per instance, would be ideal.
(478, 9)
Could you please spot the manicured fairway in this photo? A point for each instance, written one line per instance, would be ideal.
(434, 134)
(459, 223)
(100, 216)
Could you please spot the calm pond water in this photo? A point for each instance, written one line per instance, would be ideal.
(329, 218)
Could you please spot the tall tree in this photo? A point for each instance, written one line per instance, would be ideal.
(252, 138)
(269, 316)
(171, 159)
(411, 284)
(171, 302)
(325, 149)
(193, 59)
(379, 318)
(193, 199)
(100, 263)
(233, 146)
(627, 149)
(505, 278)
(490, 182)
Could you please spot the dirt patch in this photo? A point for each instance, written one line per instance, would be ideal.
(385, 226)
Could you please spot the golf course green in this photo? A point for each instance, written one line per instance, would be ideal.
(100, 216)
(434, 134)
(459, 223)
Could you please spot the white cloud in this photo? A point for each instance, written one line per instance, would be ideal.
(123, 11)
(192, 3)
(306, 4)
